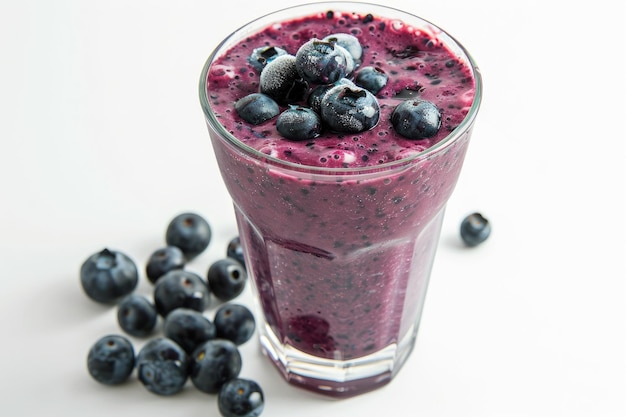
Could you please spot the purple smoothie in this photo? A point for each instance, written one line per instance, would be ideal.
(340, 236)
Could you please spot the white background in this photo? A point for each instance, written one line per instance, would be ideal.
(103, 142)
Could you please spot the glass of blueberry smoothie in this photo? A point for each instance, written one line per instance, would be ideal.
(340, 129)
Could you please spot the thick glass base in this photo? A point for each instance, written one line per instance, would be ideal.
(337, 378)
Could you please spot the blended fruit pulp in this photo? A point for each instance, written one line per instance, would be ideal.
(341, 260)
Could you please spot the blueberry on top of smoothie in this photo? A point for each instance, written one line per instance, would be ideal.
(263, 55)
(416, 119)
(371, 78)
(349, 42)
(323, 62)
(256, 108)
(352, 109)
(281, 80)
(299, 123)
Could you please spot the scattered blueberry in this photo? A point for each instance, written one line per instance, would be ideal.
(234, 250)
(299, 123)
(240, 397)
(234, 322)
(189, 232)
(256, 108)
(163, 366)
(346, 108)
(323, 62)
(213, 363)
(108, 275)
(416, 119)
(111, 360)
(349, 42)
(189, 328)
(164, 260)
(136, 315)
(263, 55)
(371, 78)
(475, 229)
(226, 278)
(281, 81)
(180, 288)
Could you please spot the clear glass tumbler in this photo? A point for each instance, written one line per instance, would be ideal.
(339, 258)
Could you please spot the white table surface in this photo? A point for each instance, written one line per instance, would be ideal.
(103, 141)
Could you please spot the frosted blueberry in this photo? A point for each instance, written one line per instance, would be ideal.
(315, 96)
(299, 123)
(323, 62)
(281, 81)
(371, 78)
(261, 56)
(350, 109)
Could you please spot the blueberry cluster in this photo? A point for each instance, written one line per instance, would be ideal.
(322, 87)
(191, 346)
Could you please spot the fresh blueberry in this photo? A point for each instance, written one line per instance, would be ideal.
(371, 78)
(281, 81)
(349, 42)
(256, 108)
(136, 315)
(189, 328)
(111, 360)
(109, 275)
(190, 232)
(475, 229)
(234, 322)
(263, 55)
(226, 278)
(315, 96)
(180, 288)
(162, 366)
(323, 62)
(234, 250)
(350, 109)
(164, 260)
(416, 119)
(299, 123)
(213, 363)
(240, 397)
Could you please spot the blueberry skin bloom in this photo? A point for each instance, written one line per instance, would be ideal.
(371, 78)
(299, 123)
(323, 62)
(234, 322)
(164, 260)
(136, 315)
(240, 398)
(163, 366)
(263, 55)
(256, 108)
(189, 328)
(226, 278)
(111, 360)
(416, 119)
(181, 288)
(350, 109)
(475, 229)
(190, 232)
(281, 81)
(213, 363)
(349, 42)
(109, 275)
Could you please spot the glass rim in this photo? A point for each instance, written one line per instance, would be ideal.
(341, 6)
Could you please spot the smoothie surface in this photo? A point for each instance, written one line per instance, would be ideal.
(417, 62)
